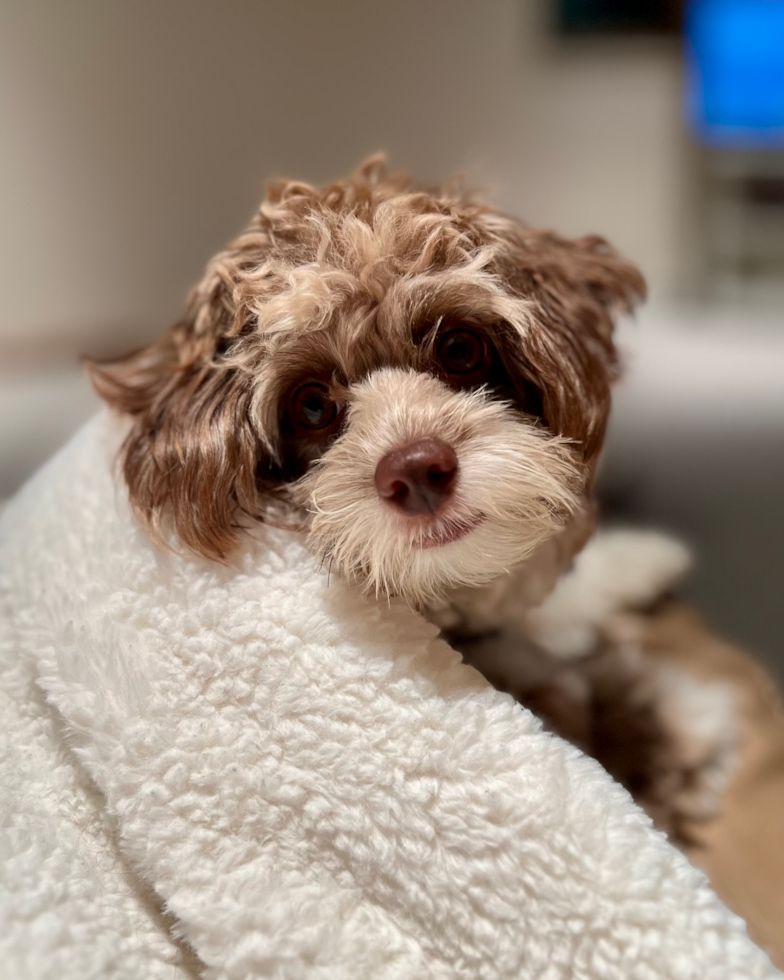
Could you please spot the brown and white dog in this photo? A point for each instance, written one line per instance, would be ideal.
(418, 381)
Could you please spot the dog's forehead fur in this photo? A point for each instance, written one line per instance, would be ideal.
(344, 279)
(361, 264)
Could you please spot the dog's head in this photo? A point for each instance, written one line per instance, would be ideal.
(422, 381)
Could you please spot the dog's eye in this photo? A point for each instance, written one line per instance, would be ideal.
(465, 356)
(311, 408)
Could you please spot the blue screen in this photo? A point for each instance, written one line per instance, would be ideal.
(736, 71)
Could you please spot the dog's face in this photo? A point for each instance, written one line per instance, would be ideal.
(420, 380)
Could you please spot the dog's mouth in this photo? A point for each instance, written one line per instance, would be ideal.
(449, 531)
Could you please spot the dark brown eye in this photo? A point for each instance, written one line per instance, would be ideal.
(465, 356)
(311, 409)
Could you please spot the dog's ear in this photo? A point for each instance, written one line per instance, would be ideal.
(584, 282)
(192, 454)
(578, 287)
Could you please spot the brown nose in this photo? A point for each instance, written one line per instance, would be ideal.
(419, 478)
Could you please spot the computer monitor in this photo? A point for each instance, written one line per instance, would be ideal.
(735, 71)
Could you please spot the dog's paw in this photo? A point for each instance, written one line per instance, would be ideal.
(671, 739)
(699, 749)
(616, 571)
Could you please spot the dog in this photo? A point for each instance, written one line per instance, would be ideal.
(418, 382)
(416, 379)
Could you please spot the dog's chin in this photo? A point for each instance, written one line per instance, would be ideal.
(470, 554)
(462, 552)
(447, 532)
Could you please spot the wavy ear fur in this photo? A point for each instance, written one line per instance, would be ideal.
(192, 454)
(578, 287)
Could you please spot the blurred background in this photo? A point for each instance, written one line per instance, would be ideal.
(136, 138)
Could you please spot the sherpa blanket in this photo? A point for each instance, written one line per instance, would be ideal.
(254, 771)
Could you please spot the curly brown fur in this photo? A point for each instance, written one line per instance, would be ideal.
(349, 285)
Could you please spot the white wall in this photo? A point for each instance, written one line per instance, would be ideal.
(136, 136)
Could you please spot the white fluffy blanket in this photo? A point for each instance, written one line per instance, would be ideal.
(252, 771)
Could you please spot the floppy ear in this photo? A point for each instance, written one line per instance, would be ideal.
(192, 454)
(578, 288)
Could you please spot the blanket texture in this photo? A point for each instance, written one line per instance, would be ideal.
(254, 771)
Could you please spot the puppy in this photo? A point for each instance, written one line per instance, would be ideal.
(417, 380)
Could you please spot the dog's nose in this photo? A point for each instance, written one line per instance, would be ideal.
(419, 478)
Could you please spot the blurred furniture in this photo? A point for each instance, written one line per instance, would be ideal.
(41, 406)
(581, 18)
(696, 446)
(743, 224)
(735, 107)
